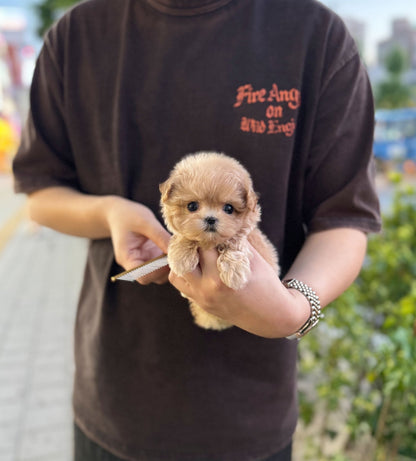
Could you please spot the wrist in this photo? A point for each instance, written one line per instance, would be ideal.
(314, 305)
(300, 310)
(108, 209)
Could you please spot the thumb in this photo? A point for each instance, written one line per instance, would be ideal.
(208, 262)
(161, 237)
(154, 231)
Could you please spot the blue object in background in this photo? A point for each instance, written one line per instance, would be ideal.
(395, 135)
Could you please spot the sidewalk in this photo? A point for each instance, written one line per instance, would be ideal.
(11, 209)
(40, 275)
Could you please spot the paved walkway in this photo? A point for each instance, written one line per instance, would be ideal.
(40, 274)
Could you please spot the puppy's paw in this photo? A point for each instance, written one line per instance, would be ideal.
(182, 258)
(181, 266)
(205, 320)
(234, 268)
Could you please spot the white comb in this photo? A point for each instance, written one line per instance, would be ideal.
(140, 271)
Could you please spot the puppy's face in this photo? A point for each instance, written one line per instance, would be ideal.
(209, 202)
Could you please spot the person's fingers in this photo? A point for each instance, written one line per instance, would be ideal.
(208, 262)
(161, 237)
(180, 283)
(151, 228)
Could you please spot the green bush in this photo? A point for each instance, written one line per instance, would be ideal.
(360, 363)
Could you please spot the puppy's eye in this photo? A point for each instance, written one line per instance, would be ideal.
(192, 206)
(228, 208)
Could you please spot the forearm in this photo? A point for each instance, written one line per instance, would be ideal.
(71, 212)
(330, 261)
(136, 234)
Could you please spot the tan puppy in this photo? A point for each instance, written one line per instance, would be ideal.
(208, 201)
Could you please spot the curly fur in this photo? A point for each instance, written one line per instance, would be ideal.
(216, 183)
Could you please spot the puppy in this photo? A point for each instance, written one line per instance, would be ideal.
(208, 201)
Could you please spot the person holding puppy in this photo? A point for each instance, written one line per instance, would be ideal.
(121, 92)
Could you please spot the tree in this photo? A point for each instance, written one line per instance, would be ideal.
(396, 62)
(48, 12)
(392, 93)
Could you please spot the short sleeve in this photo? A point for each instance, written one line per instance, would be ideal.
(339, 185)
(44, 158)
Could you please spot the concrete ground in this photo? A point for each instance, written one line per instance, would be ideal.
(40, 275)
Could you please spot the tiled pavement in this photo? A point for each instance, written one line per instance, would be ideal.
(40, 275)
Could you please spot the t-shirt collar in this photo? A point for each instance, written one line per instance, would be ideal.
(187, 7)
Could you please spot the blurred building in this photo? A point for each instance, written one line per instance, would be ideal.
(358, 30)
(403, 37)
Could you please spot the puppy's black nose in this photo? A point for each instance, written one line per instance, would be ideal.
(210, 220)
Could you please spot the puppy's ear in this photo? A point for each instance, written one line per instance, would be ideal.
(251, 199)
(166, 189)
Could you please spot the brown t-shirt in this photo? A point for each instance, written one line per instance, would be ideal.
(122, 90)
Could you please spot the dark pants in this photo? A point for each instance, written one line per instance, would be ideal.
(87, 450)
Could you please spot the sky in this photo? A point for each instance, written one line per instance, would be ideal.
(377, 14)
(14, 8)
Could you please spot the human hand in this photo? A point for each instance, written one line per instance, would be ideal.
(137, 236)
(263, 307)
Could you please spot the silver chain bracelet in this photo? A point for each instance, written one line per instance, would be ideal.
(314, 302)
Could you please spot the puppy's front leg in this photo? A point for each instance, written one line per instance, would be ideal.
(182, 255)
(234, 265)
